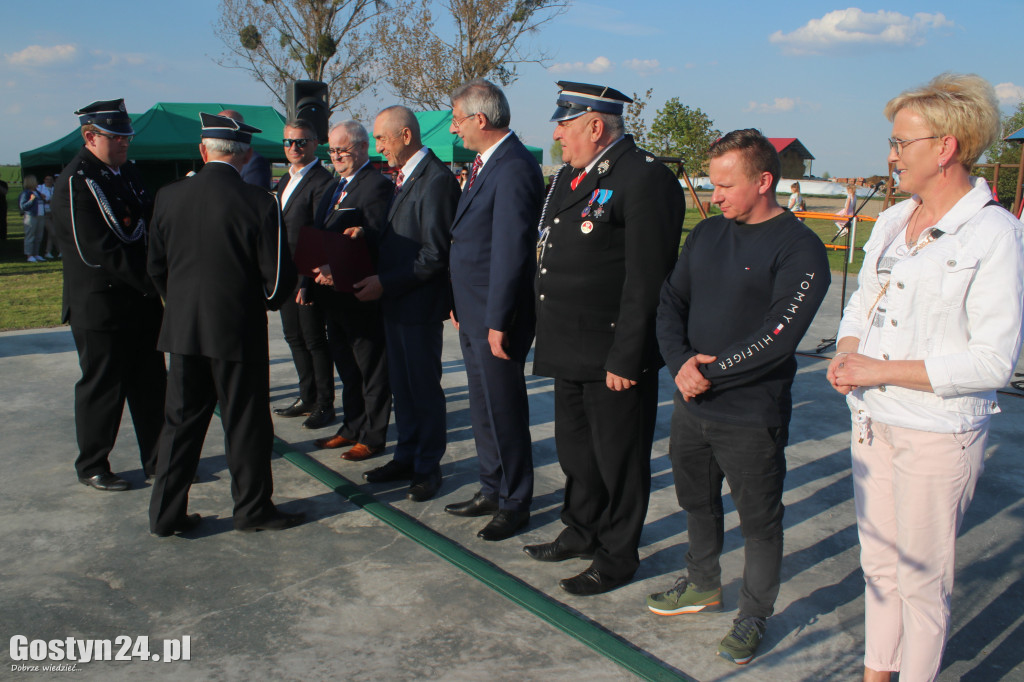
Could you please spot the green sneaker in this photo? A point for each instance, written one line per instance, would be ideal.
(740, 645)
(683, 597)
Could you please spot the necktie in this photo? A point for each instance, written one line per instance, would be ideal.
(399, 181)
(477, 163)
(340, 192)
(577, 180)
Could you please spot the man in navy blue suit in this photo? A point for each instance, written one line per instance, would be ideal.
(412, 284)
(493, 261)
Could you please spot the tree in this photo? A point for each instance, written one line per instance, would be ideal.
(556, 151)
(423, 64)
(1008, 153)
(681, 131)
(279, 41)
(633, 117)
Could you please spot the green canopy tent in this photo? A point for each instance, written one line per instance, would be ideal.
(166, 144)
(448, 147)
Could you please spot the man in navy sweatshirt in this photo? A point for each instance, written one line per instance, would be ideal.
(743, 293)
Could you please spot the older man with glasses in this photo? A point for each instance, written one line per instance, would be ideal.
(299, 192)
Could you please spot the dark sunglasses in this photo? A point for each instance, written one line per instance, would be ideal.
(299, 142)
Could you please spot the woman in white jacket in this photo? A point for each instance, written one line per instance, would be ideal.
(930, 334)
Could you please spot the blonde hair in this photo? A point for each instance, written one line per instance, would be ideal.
(962, 105)
(795, 187)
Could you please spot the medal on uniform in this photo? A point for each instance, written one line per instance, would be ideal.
(603, 167)
(600, 196)
(587, 227)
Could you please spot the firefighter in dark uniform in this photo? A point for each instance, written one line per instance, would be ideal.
(219, 256)
(101, 214)
(610, 234)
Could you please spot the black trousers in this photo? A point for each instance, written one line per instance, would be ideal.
(752, 459)
(195, 384)
(421, 417)
(117, 366)
(500, 413)
(355, 335)
(604, 441)
(305, 331)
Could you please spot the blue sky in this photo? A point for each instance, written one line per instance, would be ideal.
(818, 72)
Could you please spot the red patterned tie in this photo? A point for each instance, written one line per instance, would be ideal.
(477, 163)
(577, 180)
(398, 181)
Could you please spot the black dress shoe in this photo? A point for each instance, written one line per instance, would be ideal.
(480, 505)
(554, 551)
(424, 486)
(183, 526)
(105, 481)
(277, 521)
(322, 416)
(504, 525)
(296, 409)
(591, 581)
(392, 471)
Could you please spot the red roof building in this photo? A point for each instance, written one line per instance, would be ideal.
(796, 160)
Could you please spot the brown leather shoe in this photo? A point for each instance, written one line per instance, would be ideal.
(333, 442)
(359, 452)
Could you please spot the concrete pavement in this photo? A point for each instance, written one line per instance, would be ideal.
(346, 596)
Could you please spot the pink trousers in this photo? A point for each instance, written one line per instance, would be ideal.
(911, 490)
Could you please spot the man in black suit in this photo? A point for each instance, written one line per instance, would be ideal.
(412, 283)
(101, 215)
(257, 170)
(493, 260)
(299, 192)
(357, 206)
(611, 226)
(219, 257)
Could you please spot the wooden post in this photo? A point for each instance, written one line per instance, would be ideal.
(995, 179)
(1020, 182)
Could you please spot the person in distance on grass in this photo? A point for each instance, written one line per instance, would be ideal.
(101, 216)
(219, 256)
(743, 292)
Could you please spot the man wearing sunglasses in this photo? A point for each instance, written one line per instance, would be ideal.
(299, 192)
(101, 214)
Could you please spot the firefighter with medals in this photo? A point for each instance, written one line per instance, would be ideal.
(101, 214)
(610, 233)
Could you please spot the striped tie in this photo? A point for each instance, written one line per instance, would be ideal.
(477, 163)
(577, 180)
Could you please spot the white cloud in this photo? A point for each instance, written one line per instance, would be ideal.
(599, 65)
(846, 28)
(777, 105)
(108, 60)
(1008, 93)
(40, 55)
(643, 67)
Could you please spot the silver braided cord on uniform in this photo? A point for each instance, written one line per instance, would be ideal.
(137, 234)
(544, 231)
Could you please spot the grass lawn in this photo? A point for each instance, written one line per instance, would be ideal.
(30, 293)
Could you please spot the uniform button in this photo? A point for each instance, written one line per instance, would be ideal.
(882, 389)
(543, 271)
(885, 356)
(899, 285)
(542, 297)
(556, 221)
(892, 322)
(951, 263)
(613, 325)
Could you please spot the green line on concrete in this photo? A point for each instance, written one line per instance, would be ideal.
(579, 627)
